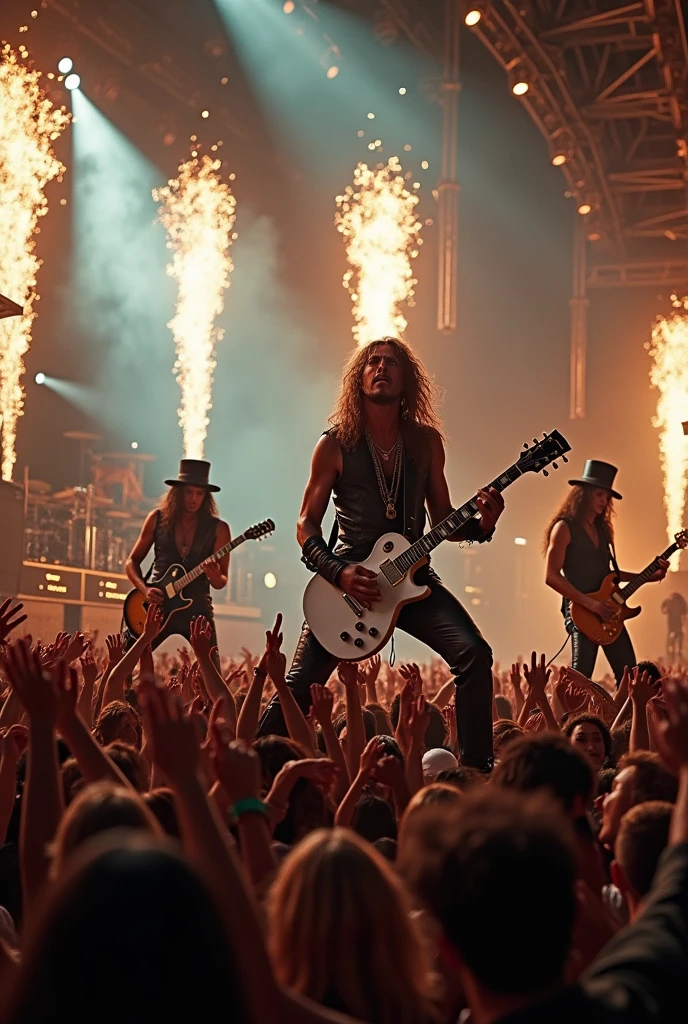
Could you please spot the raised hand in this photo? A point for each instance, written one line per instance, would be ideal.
(348, 673)
(200, 637)
(672, 732)
(418, 720)
(373, 751)
(66, 688)
(153, 623)
(411, 674)
(89, 669)
(322, 703)
(75, 648)
(389, 771)
(640, 687)
(537, 674)
(31, 682)
(275, 660)
(371, 669)
(236, 765)
(172, 735)
(14, 741)
(9, 618)
(115, 648)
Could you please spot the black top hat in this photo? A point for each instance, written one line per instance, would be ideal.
(194, 472)
(598, 474)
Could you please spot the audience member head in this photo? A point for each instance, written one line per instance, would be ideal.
(642, 776)
(437, 760)
(160, 802)
(504, 732)
(118, 721)
(382, 723)
(462, 778)
(99, 807)
(143, 928)
(131, 763)
(374, 819)
(590, 735)
(643, 836)
(547, 762)
(340, 932)
(461, 861)
(428, 796)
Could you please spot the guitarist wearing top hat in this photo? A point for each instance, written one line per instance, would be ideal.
(185, 530)
(579, 545)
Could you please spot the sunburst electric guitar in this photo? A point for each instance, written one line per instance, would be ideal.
(615, 598)
(176, 578)
(351, 631)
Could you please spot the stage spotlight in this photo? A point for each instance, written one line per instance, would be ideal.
(72, 82)
(520, 88)
(473, 17)
(65, 65)
(584, 209)
(40, 378)
(558, 159)
(270, 580)
(134, 444)
(332, 71)
(520, 542)
(288, 6)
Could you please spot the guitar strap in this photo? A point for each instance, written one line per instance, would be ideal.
(612, 550)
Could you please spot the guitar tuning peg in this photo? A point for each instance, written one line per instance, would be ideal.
(525, 444)
(535, 440)
(545, 473)
(554, 466)
(564, 459)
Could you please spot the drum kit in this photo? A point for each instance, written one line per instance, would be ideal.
(95, 524)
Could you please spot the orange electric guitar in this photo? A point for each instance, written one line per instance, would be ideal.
(615, 597)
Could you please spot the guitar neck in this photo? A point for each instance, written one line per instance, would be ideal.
(649, 571)
(215, 557)
(451, 524)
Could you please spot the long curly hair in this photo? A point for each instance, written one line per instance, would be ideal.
(172, 503)
(419, 401)
(574, 506)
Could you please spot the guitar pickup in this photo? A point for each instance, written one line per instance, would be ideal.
(391, 573)
(354, 605)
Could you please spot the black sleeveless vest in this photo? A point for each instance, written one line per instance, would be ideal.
(361, 510)
(166, 554)
(585, 565)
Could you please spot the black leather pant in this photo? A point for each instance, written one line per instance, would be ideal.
(442, 623)
(619, 654)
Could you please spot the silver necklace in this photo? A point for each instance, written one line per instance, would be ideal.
(389, 494)
(386, 454)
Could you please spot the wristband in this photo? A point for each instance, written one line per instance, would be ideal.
(318, 558)
(249, 805)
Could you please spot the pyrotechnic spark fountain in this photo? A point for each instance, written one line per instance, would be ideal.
(669, 374)
(29, 124)
(376, 215)
(198, 210)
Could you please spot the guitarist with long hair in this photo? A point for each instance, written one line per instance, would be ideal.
(383, 462)
(579, 552)
(185, 530)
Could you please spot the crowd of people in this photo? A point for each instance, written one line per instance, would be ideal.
(161, 862)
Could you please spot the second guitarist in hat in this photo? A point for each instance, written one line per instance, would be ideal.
(579, 545)
(186, 529)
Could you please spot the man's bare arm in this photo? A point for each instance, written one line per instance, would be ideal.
(140, 550)
(326, 466)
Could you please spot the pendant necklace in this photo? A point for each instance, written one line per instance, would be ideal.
(389, 494)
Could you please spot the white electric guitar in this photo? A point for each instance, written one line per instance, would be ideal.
(352, 632)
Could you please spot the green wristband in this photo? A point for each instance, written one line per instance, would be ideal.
(249, 805)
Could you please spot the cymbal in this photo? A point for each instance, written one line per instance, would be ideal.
(129, 456)
(73, 493)
(114, 513)
(81, 435)
(39, 487)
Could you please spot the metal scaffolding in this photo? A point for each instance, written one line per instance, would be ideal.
(608, 89)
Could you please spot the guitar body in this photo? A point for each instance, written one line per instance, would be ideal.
(338, 621)
(592, 626)
(136, 605)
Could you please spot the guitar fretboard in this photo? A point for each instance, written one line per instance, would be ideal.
(647, 573)
(193, 574)
(454, 521)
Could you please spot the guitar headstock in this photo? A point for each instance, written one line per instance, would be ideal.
(543, 453)
(681, 539)
(260, 530)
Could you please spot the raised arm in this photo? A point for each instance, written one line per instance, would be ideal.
(139, 551)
